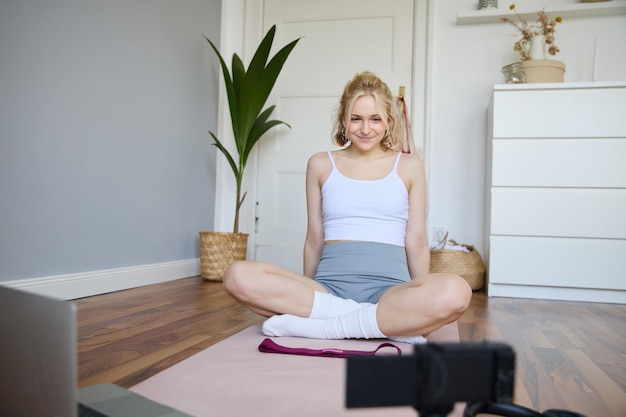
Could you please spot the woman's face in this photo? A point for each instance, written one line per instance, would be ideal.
(366, 127)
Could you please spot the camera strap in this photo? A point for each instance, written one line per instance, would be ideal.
(269, 346)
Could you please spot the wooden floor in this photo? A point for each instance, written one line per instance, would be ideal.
(569, 355)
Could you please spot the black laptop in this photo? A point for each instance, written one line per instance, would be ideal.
(38, 375)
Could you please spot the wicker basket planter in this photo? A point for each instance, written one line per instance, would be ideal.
(468, 265)
(218, 250)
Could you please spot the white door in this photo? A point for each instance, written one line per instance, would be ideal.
(339, 39)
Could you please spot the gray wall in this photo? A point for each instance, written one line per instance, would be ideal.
(105, 159)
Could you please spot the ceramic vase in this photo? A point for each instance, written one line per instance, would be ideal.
(537, 47)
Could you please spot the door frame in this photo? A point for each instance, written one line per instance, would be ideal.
(235, 36)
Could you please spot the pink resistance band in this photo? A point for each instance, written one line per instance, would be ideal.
(269, 346)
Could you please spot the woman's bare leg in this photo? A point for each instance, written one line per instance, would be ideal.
(421, 307)
(269, 289)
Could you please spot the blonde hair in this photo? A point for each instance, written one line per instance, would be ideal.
(369, 84)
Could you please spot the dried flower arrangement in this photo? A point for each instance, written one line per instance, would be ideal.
(543, 26)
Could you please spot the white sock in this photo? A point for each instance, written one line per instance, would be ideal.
(358, 324)
(326, 305)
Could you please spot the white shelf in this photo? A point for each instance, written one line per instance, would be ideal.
(560, 86)
(566, 11)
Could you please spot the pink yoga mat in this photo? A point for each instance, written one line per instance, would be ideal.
(232, 378)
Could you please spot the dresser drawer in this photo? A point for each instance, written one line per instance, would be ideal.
(559, 212)
(558, 113)
(559, 162)
(558, 262)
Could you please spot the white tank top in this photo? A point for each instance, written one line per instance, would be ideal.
(365, 210)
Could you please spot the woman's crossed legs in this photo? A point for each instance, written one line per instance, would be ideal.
(302, 307)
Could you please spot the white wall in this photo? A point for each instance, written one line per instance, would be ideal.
(466, 64)
(105, 159)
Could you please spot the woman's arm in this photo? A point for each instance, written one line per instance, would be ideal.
(411, 170)
(318, 169)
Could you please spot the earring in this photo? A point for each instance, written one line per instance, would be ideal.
(343, 135)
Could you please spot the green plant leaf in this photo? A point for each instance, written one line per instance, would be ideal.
(251, 86)
(229, 158)
(239, 74)
(233, 100)
(260, 127)
(260, 80)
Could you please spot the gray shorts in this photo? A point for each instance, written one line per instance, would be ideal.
(362, 271)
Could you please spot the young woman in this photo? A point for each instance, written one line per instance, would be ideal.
(366, 254)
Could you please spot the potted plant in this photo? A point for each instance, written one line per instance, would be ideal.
(537, 40)
(247, 91)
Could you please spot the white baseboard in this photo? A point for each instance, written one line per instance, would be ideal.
(558, 293)
(85, 284)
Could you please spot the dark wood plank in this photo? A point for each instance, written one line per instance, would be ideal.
(569, 355)
(128, 336)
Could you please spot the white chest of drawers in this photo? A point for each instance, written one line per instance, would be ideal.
(556, 192)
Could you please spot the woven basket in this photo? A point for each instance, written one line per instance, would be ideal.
(218, 250)
(468, 265)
